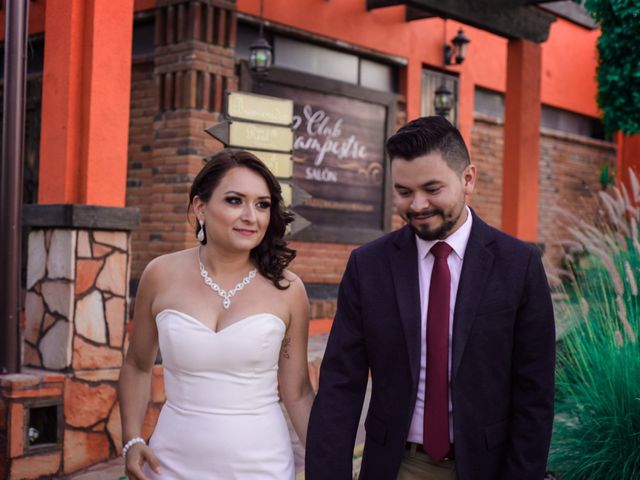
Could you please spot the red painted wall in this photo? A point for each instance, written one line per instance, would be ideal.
(568, 61)
(85, 103)
(569, 56)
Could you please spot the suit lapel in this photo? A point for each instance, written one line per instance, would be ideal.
(478, 260)
(404, 269)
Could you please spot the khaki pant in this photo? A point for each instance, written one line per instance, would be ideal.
(417, 465)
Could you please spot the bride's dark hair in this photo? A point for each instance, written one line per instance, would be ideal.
(272, 255)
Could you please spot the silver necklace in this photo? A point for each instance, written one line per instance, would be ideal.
(226, 295)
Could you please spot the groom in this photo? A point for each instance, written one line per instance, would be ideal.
(453, 321)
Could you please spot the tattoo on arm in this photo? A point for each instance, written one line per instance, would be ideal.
(285, 347)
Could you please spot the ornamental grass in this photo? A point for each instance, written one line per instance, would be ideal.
(597, 425)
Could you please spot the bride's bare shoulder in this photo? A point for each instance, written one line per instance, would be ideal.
(169, 265)
(296, 290)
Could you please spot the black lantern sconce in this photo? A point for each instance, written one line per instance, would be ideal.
(260, 52)
(458, 49)
(443, 100)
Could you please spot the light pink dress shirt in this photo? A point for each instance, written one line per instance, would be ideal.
(458, 241)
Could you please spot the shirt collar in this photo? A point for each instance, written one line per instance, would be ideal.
(457, 240)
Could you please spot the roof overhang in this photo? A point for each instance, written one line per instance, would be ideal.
(512, 19)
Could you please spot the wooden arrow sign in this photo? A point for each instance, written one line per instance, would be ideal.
(220, 131)
(299, 224)
(253, 135)
(293, 195)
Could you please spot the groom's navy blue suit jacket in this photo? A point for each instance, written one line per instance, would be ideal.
(502, 372)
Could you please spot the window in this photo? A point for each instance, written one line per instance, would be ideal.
(143, 43)
(488, 102)
(431, 80)
(377, 76)
(322, 61)
(565, 121)
(309, 58)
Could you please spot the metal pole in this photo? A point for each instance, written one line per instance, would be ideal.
(16, 33)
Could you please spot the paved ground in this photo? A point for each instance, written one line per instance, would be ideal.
(111, 470)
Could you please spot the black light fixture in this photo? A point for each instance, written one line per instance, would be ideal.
(459, 49)
(260, 52)
(443, 100)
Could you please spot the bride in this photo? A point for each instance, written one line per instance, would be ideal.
(232, 325)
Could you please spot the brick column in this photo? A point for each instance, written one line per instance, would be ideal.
(522, 140)
(194, 65)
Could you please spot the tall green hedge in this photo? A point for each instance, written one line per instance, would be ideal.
(619, 63)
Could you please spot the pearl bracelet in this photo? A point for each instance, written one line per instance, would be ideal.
(131, 443)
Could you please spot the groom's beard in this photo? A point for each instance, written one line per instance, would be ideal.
(440, 232)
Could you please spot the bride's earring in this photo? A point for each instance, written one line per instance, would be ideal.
(200, 235)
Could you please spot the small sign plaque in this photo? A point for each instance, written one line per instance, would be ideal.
(260, 136)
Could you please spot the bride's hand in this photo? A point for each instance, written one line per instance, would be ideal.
(136, 457)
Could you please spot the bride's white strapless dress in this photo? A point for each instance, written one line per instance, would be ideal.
(221, 419)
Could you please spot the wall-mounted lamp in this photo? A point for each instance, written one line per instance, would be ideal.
(443, 100)
(459, 49)
(260, 52)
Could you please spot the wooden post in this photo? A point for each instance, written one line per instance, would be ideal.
(522, 140)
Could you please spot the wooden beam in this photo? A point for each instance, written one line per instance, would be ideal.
(521, 158)
(572, 12)
(373, 4)
(504, 18)
(413, 13)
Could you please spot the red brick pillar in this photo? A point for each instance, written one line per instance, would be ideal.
(194, 65)
(522, 140)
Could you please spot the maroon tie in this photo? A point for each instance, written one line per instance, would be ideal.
(436, 402)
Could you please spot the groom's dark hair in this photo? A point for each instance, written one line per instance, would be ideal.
(429, 134)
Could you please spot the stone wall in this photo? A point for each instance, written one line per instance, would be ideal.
(75, 315)
(76, 303)
(61, 414)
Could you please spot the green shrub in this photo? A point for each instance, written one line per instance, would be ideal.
(597, 426)
(619, 63)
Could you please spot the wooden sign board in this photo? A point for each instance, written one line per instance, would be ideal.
(338, 152)
(259, 108)
(263, 137)
(253, 136)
